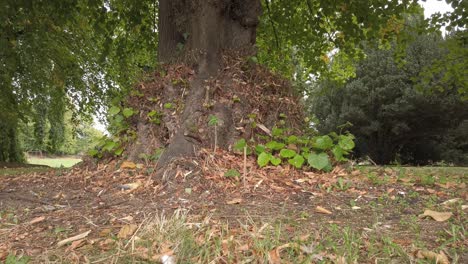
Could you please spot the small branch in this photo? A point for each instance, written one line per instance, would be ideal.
(245, 166)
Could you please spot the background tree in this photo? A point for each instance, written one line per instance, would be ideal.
(389, 111)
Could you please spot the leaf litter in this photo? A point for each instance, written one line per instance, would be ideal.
(93, 205)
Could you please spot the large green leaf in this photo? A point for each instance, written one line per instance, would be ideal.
(318, 161)
(346, 142)
(274, 145)
(297, 161)
(128, 112)
(323, 142)
(263, 159)
(287, 153)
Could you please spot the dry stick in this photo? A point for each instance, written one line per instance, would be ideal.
(245, 165)
(216, 139)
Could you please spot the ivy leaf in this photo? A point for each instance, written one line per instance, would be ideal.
(128, 112)
(346, 142)
(274, 145)
(275, 161)
(113, 110)
(318, 161)
(323, 142)
(110, 145)
(287, 153)
(277, 132)
(297, 161)
(93, 152)
(263, 159)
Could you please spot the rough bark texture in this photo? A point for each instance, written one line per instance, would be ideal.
(197, 33)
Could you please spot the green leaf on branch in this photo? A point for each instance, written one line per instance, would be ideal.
(323, 142)
(318, 161)
(240, 145)
(274, 145)
(346, 142)
(297, 161)
(263, 159)
(287, 153)
(339, 153)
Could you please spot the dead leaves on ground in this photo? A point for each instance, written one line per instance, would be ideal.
(438, 216)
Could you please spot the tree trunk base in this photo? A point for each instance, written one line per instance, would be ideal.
(183, 112)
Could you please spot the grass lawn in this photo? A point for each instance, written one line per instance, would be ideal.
(54, 162)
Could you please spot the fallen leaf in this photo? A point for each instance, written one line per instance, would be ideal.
(464, 207)
(438, 216)
(440, 258)
(130, 186)
(274, 254)
(126, 231)
(75, 244)
(322, 210)
(73, 238)
(264, 129)
(244, 247)
(451, 201)
(37, 220)
(128, 165)
(355, 207)
(235, 201)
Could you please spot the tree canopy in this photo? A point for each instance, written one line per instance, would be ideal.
(78, 54)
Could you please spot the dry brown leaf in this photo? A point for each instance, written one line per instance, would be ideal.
(75, 244)
(128, 165)
(37, 220)
(234, 201)
(438, 216)
(73, 238)
(244, 247)
(440, 258)
(126, 231)
(451, 201)
(264, 129)
(322, 210)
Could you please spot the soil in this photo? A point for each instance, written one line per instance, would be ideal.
(40, 209)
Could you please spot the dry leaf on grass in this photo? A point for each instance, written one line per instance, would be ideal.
(128, 165)
(234, 201)
(126, 231)
(438, 216)
(75, 244)
(451, 201)
(74, 238)
(322, 210)
(274, 254)
(440, 258)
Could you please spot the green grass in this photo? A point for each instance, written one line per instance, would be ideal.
(54, 162)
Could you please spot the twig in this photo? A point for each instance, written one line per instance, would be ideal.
(245, 165)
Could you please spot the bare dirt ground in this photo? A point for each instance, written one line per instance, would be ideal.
(40, 209)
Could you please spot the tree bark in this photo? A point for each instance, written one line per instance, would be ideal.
(197, 33)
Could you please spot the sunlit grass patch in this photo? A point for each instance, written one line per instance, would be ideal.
(54, 162)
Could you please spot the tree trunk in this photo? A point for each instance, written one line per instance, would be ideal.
(197, 33)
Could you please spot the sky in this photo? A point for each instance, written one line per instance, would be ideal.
(434, 6)
(430, 7)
